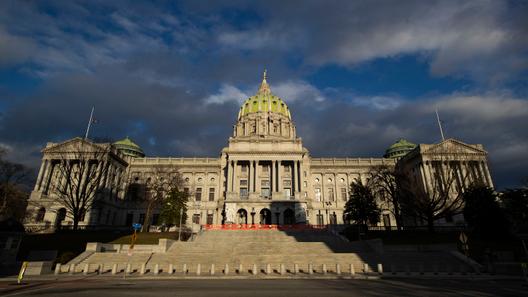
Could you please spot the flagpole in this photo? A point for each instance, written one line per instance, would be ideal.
(89, 123)
(439, 125)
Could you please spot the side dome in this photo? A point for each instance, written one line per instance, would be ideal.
(264, 101)
(399, 149)
(128, 148)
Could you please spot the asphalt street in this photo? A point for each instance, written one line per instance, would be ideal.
(276, 288)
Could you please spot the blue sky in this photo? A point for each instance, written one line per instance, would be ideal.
(171, 75)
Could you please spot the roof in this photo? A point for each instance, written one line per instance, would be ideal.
(129, 148)
(264, 101)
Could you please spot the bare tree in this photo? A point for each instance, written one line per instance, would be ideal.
(82, 174)
(13, 193)
(387, 182)
(157, 188)
(441, 195)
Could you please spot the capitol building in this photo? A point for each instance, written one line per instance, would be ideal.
(263, 176)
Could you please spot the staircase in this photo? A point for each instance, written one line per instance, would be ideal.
(262, 247)
(241, 249)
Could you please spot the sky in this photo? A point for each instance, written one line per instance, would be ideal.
(356, 75)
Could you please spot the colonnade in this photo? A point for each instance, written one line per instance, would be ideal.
(275, 175)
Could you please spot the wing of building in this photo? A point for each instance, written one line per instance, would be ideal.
(264, 176)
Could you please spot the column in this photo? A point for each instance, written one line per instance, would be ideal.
(228, 176)
(255, 176)
(295, 179)
(487, 174)
(43, 168)
(279, 177)
(250, 176)
(257, 180)
(49, 174)
(273, 185)
(336, 193)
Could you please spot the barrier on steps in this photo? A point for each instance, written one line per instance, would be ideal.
(298, 227)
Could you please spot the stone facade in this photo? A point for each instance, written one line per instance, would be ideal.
(264, 175)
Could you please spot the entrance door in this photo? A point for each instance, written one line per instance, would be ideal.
(61, 215)
(289, 217)
(242, 216)
(265, 217)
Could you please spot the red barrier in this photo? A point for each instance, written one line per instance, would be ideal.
(299, 227)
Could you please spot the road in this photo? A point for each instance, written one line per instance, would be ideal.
(277, 288)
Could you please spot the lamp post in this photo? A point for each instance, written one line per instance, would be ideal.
(179, 229)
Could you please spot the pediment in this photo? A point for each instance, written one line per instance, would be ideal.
(453, 146)
(72, 145)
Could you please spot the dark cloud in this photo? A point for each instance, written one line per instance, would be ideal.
(172, 76)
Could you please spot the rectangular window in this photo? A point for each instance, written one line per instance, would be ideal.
(287, 183)
(344, 194)
(210, 219)
(243, 182)
(244, 168)
(211, 194)
(317, 194)
(186, 191)
(243, 193)
(155, 219)
(265, 183)
(198, 194)
(331, 194)
(265, 168)
(265, 192)
(141, 218)
(196, 218)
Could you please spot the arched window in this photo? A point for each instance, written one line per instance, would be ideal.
(40, 215)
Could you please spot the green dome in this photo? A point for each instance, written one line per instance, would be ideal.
(264, 101)
(129, 148)
(399, 149)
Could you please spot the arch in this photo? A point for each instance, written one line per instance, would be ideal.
(265, 217)
(242, 216)
(41, 213)
(61, 215)
(289, 217)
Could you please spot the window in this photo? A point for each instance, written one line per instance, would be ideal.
(243, 182)
(344, 194)
(211, 194)
(316, 180)
(244, 168)
(331, 194)
(243, 192)
(287, 169)
(200, 179)
(305, 184)
(210, 219)
(141, 218)
(186, 191)
(198, 194)
(265, 192)
(212, 179)
(196, 218)
(265, 183)
(265, 168)
(155, 219)
(40, 215)
(317, 194)
(287, 183)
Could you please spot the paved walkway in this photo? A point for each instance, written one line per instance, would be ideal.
(99, 287)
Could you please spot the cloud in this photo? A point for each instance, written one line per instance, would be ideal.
(483, 40)
(227, 93)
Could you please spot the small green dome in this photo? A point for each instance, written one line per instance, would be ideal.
(264, 101)
(399, 149)
(129, 148)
